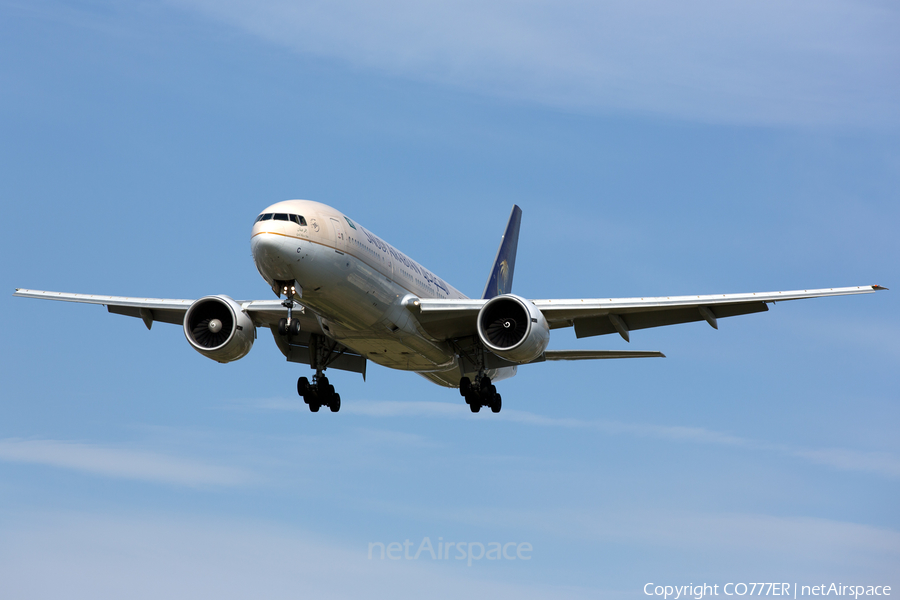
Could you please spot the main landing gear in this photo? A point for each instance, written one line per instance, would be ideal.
(318, 393)
(480, 392)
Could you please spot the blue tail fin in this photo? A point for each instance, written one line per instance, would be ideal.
(500, 281)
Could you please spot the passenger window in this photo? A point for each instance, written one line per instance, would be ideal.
(281, 217)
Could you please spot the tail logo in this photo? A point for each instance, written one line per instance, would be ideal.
(503, 283)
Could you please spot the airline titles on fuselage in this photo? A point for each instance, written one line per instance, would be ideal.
(428, 277)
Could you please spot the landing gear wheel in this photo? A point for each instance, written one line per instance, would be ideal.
(282, 326)
(319, 393)
(465, 384)
(496, 404)
(475, 406)
(303, 386)
(294, 329)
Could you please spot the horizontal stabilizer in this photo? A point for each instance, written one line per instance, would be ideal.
(597, 354)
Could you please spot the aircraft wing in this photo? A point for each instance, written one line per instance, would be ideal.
(265, 313)
(443, 319)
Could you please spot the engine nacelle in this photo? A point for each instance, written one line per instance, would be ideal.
(217, 328)
(513, 328)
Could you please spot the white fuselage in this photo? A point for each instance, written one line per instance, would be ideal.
(357, 286)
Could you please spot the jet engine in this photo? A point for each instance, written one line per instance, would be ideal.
(217, 328)
(513, 328)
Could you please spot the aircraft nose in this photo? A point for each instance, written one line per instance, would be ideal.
(269, 253)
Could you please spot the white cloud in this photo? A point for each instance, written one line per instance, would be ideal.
(393, 408)
(83, 556)
(778, 536)
(769, 62)
(46, 555)
(880, 463)
(121, 463)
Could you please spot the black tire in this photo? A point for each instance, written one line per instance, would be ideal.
(475, 406)
(282, 326)
(489, 392)
(496, 404)
(294, 329)
(313, 407)
(465, 384)
(329, 391)
(336, 403)
(303, 386)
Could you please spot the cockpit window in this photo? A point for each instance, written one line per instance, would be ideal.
(281, 217)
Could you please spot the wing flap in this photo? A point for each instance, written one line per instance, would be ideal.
(592, 326)
(175, 317)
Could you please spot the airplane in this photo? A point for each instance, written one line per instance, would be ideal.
(349, 298)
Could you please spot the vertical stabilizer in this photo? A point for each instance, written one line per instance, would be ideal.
(500, 281)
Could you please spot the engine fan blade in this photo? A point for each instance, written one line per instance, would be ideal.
(505, 332)
(209, 333)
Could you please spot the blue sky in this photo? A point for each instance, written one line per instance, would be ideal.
(655, 149)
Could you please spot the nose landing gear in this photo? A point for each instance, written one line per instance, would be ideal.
(289, 326)
(480, 393)
(318, 393)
